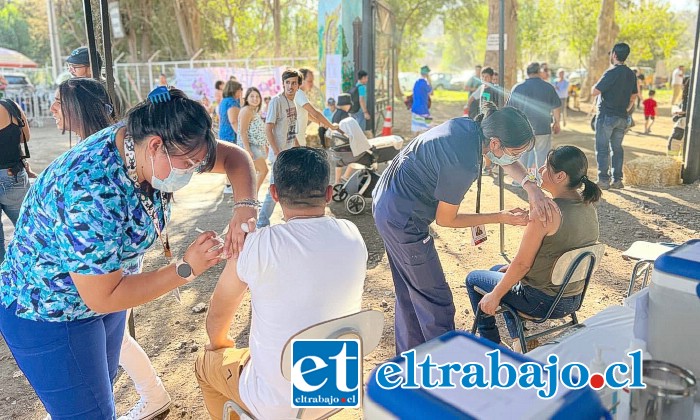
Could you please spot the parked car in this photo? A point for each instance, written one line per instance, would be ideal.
(18, 84)
(407, 80)
(441, 81)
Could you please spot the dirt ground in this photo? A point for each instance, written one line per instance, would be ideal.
(172, 334)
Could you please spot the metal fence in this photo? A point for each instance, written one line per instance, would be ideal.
(134, 80)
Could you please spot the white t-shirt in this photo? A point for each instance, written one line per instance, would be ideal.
(677, 77)
(358, 140)
(300, 100)
(299, 273)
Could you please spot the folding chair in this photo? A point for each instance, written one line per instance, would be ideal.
(366, 326)
(569, 268)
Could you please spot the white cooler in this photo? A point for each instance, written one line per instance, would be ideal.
(674, 308)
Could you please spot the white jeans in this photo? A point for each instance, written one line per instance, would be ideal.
(138, 366)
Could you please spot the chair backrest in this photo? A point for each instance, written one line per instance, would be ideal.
(582, 264)
(367, 326)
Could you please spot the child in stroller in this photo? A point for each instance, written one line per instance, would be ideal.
(354, 151)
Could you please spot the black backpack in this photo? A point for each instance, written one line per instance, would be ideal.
(355, 95)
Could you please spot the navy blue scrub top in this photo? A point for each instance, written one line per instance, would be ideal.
(439, 165)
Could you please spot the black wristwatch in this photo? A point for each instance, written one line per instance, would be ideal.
(184, 270)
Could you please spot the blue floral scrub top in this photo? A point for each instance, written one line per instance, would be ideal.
(82, 215)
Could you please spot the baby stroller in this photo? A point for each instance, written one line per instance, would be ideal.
(360, 185)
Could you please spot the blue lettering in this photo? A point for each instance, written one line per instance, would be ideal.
(636, 382)
(410, 357)
(425, 366)
(446, 370)
(388, 380)
(473, 379)
(568, 377)
(530, 376)
(610, 378)
(552, 378)
(495, 367)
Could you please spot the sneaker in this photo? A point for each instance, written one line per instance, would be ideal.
(618, 185)
(147, 410)
(228, 190)
(603, 185)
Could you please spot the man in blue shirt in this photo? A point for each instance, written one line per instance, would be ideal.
(618, 91)
(359, 109)
(420, 109)
(539, 101)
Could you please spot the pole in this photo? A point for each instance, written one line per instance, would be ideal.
(53, 39)
(107, 47)
(691, 167)
(502, 79)
(92, 45)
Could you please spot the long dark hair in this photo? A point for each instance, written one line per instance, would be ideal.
(85, 106)
(179, 122)
(247, 93)
(573, 162)
(508, 124)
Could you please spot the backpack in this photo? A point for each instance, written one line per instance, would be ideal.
(355, 95)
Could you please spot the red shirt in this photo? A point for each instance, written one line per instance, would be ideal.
(649, 107)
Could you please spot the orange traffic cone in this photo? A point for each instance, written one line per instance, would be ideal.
(386, 130)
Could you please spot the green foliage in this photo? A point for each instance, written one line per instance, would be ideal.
(651, 30)
(14, 29)
(465, 31)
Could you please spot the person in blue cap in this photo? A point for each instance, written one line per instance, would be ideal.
(426, 183)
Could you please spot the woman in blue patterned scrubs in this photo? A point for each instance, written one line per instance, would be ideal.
(73, 266)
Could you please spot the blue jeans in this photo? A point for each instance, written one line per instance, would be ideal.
(269, 204)
(71, 365)
(609, 132)
(538, 155)
(12, 192)
(359, 116)
(523, 298)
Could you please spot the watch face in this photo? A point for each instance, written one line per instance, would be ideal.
(184, 270)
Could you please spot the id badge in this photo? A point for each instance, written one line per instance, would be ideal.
(478, 234)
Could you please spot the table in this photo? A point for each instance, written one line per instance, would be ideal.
(610, 330)
(645, 253)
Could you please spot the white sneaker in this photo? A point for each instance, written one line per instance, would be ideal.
(147, 410)
(228, 190)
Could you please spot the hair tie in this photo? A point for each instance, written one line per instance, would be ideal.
(584, 178)
(109, 108)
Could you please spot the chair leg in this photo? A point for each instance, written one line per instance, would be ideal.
(477, 315)
(519, 326)
(574, 318)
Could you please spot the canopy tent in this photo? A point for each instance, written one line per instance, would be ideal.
(14, 59)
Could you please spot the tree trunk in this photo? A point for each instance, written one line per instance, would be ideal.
(187, 16)
(277, 23)
(511, 26)
(599, 61)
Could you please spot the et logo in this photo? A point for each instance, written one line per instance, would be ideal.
(326, 373)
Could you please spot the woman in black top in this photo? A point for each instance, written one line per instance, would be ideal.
(14, 182)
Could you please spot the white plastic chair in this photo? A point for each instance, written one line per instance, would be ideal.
(366, 326)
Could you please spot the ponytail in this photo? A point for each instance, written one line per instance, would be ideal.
(591, 191)
(572, 161)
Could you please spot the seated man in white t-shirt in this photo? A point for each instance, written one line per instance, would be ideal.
(308, 270)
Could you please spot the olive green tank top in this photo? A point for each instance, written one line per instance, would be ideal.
(578, 228)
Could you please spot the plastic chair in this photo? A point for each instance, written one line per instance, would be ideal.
(573, 266)
(366, 326)
(645, 253)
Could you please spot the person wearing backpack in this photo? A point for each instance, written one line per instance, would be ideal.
(359, 100)
(14, 180)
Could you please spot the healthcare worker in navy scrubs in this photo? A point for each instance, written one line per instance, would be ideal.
(427, 182)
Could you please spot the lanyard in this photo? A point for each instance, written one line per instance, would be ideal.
(481, 171)
(147, 202)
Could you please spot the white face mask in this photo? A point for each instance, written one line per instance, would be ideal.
(504, 160)
(177, 179)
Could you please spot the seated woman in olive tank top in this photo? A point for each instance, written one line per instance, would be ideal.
(525, 284)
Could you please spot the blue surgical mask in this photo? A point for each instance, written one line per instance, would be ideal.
(177, 179)
(504, 160)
